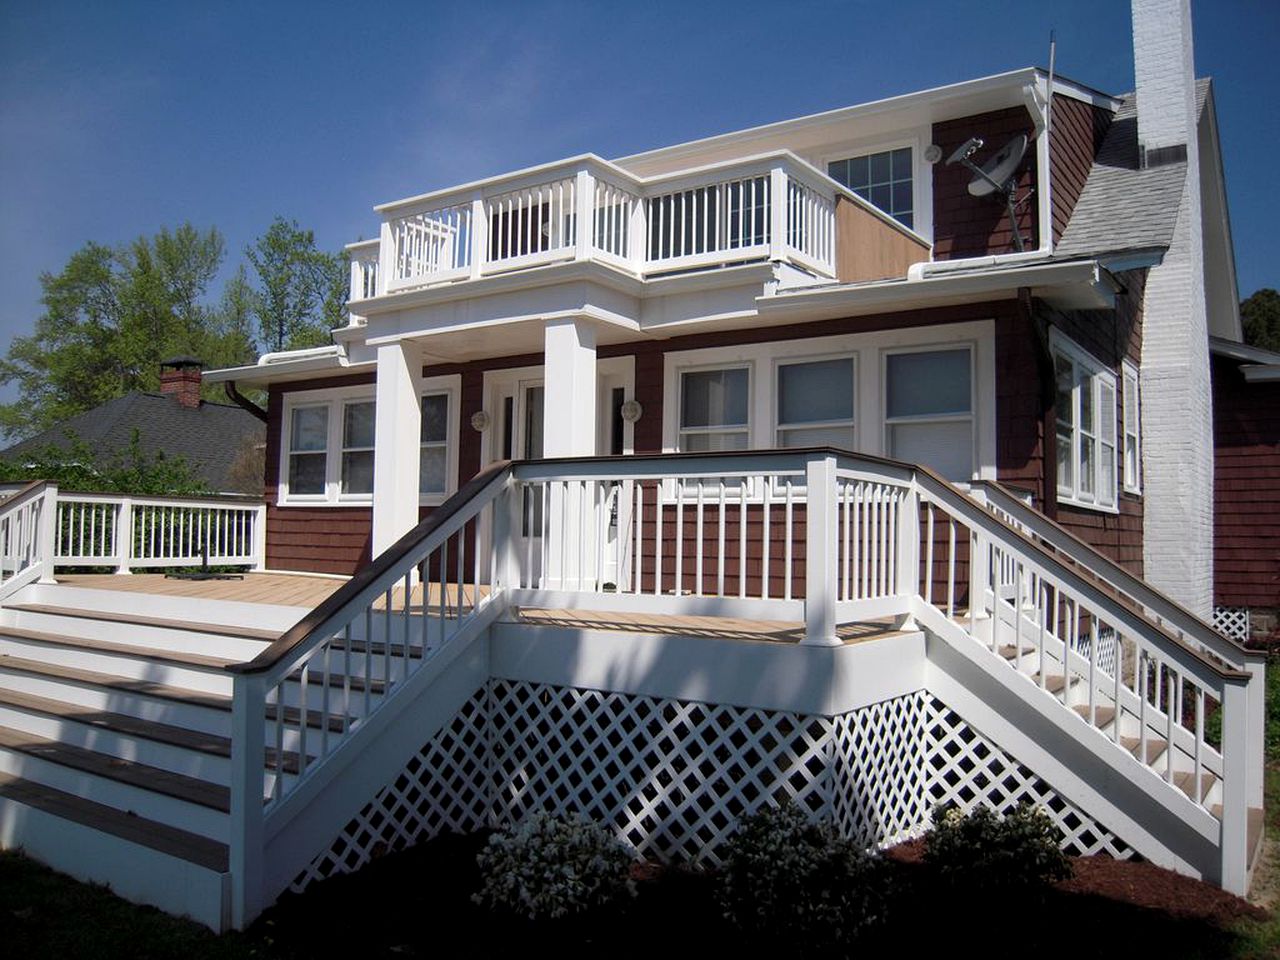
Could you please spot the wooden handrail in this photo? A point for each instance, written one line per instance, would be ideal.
(302, 631)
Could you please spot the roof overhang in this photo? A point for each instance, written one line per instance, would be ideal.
(1256, 364)
(286, 367)
(1073, 285)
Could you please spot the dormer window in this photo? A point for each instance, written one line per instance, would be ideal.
(880, 178)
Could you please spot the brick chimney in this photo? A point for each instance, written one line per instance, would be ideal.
(1177, 403)
(180, 377)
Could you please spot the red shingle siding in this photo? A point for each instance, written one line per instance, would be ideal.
(1246, 487)
(1078, 129)
(966, 226)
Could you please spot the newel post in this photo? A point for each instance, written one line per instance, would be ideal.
(777, 214)
(260, 538)
(248, 838)
(124, 535)
(506, 534)
(1256, 666)
(821, 557)
(908, 569)
(584, 212)
(1234, 847)
(48, 532)
(479, 236)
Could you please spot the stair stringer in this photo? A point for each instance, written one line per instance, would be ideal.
(1084, 767)
(317, 811)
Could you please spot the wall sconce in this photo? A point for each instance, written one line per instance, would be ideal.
(631, 411)
(480, 421)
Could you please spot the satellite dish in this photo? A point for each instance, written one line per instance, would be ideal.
(932, 153)
(965, 151)
(998, 171)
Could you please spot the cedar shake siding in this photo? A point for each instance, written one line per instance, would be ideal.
(1246, 487)
(966, 226)
(1078, 129)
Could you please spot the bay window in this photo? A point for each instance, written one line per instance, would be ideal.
(1086, 427)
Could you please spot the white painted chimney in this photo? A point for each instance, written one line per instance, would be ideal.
(1164, 71)
(1177, 401)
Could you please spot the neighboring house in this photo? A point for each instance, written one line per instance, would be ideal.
(894, 316)
(176, 422)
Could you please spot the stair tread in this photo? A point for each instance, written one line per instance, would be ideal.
(176, 785)
(1007, 651)
(150, 688)
(195, 849)
(1255, 823)
(1053, 682)
(110, 681)
(198, 661)
(184, 737)
(221, 629)
(1104, 715)
(1185, 780)
(1156, 746)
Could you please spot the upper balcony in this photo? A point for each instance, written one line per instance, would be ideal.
(768, 208)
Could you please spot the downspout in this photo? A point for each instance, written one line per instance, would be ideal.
(240, 400)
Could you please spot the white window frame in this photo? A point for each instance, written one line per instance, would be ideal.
(779, 427)
(1088, 372)
(866, 348)
(335, 399)
(921, 176)
(969, 418)
(343, 449)
(706, 368)
(1131, 397)
(451, 387)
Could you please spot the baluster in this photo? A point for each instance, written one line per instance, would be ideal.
(951, 576)
(1168, 726)
(788, 566)
(679, 537)
(767, 498)
(408, 596)
(1198, 789)
(742, 536)
(698, 556)
(324, 702)
(637, 554)
(1093, 670)
(1118, 669)
(1142, 706)
(368, 658)
(845, 567)
(302, 717)
(928, 554)
(659, 493)
(720, 539)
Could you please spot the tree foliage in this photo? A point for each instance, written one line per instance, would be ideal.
(301, 292)
(75, 467)
(1260, 315)
(111, 317)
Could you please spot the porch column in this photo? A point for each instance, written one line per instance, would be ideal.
(569, 374)
(397, 438)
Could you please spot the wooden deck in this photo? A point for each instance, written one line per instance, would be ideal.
(303, 590)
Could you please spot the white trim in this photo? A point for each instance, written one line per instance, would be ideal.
(1096, 374)
(866, 348)
(1129, 373)
(921, 172)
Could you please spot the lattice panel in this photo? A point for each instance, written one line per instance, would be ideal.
(964, 768)
(1106, 648)
(1232, 621)
(879, 787)
(672, 776)
(442, 788)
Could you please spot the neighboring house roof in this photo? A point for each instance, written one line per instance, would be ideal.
(1123, 206)
(209, 437)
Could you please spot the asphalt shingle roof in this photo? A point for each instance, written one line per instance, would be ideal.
(208, 437)
(1122, 206)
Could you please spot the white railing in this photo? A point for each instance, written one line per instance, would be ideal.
(765, 208)
(364, 269)
(817, 537)
(124, 532)
(26, 536)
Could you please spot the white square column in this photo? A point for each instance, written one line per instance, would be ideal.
(569, 376)
(397, 440)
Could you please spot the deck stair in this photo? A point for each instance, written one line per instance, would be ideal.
(116, 731)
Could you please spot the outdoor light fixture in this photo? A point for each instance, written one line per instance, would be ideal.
(480, 421)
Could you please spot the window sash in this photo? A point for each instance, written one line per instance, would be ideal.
(1086, 414)
(799, 431)
(903, 431)
(718, 432)
(1132, 452)
(434, 446)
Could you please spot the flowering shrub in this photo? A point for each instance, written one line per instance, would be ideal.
(982, 850)
(547, 868)
(787, 879)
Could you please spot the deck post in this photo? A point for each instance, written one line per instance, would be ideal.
(1256, 666)
(777, 214)
(247, 837)
(123, 535)
(908, 569)
(584, 214)
(48, 532)
(479, 236)
(821, 552)
(397, 440)
(1234, 847)
(260, 538)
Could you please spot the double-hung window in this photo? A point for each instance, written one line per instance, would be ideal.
(1132, 446)
(929, 409)
(714, 407)
(308, 446)
(433, 463)
(1086, 427)
(357, 448)
(814, 402)
(884, 179)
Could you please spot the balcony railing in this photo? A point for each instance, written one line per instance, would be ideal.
(774, 207)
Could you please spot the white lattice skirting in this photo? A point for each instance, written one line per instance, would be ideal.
(674, 776)
(1232, 621)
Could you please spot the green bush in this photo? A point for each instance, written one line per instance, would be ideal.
(786, 879)
(981, 850)
(546, 868)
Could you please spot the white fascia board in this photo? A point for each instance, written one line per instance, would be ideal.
(1244, 352)
(1013, 81)
(1261, 373)
(373, 244)
(1087, 282)
(284, 371)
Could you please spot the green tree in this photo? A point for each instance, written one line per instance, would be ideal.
(75, 467)
(110, 318)
(301, 292)
(1260, 315)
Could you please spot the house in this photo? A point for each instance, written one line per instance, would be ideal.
(174, 423)
(864, 459)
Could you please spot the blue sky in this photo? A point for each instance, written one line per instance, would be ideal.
(119, 118)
